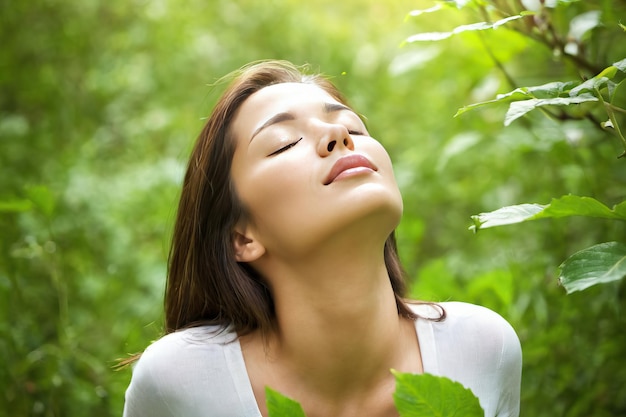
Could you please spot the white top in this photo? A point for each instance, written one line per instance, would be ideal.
(200, 372)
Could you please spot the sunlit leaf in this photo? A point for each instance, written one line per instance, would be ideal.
(459, 3)
(517, 94)
(572, 205)
(518, 109)
(608, 72)
(548, 90)
(280, 406)
(620, 210)
(566, 206)
(595, 83)
(505, 215)
(537, 4)
(437, 36)
(414, 13)
(428, 36)
(426, 395)
(601, 80)
(599, 264)
(551, 90)
(620, 65)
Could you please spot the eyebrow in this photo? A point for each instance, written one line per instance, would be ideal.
(285, 116)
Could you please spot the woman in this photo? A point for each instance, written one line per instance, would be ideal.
(284, 273)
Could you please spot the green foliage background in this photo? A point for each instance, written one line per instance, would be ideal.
(100, 102)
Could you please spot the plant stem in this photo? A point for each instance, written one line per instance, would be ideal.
(615, 108)
(613, 119)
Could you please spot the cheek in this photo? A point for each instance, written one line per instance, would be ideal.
(276, 198)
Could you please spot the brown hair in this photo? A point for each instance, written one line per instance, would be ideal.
(205, 283)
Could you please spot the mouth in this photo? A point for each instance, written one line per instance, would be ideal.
(349, 164)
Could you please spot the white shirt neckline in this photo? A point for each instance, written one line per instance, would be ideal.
(237, 365)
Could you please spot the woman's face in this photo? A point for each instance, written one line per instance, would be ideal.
(306, 170)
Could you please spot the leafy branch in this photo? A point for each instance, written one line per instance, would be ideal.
(525, 99)
(600, 89)
(598, 264)
(598, 93)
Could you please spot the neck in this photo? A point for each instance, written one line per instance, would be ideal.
(338, 327)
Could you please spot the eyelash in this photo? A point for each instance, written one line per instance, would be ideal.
(284, 148)
(291, 145)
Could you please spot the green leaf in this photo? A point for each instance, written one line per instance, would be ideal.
(280, 406)
(620, 209)
(427, 395)
(599, 264)
(601, 80)
(517, 94)
(549, 90)
(505, 215)
(608, 72)
(518, 109)
(572, 205)
(596, 83)
(566, 206)
(620, 65)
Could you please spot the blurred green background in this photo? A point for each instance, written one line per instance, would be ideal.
(101, 101)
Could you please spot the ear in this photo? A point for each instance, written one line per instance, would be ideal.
(247, 246)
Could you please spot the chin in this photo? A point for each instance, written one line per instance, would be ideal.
(377, 199)
(377, 213)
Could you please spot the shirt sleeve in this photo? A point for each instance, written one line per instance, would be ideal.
(509, 372)
(152, 386)
(478, 348)
(191, 373)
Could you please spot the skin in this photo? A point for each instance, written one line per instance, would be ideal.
(318, 245)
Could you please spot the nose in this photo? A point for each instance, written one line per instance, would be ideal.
(335, 137)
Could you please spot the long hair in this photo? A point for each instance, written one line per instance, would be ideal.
(205, 283)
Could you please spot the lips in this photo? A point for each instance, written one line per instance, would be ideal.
(346, 163)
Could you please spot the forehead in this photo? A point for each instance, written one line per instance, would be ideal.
(286, 94)
(277, 98)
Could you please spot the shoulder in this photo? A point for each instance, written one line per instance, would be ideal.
(476, 316)
(474, 321)
(174, 370)
(180, 350)
(479, 348)
(482, 330)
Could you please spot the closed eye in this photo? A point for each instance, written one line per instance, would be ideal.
(356, 132)
(284, 148)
